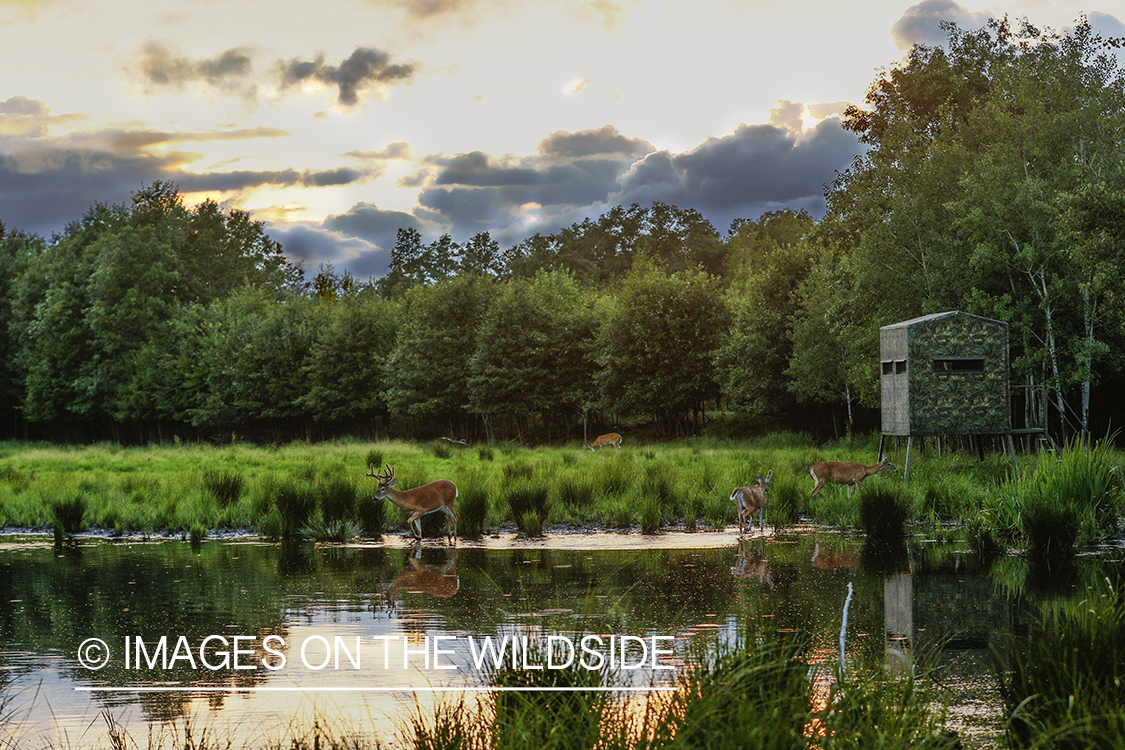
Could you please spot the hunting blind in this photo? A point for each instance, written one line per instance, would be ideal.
(945, 374)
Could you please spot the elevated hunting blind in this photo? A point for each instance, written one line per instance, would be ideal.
(945, 374)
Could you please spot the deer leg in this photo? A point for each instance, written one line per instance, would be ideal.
(450, 521)
(415, 524)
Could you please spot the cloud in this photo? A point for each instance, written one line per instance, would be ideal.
(47, 181)
(575, 175)
(160, 66)
(756, 168)
(604, 141)
(920, 24)
(827, 109)
(399, 150)
(364, 68)
(20, 116)
(369, 222)
(1105, 24)
(310, 244)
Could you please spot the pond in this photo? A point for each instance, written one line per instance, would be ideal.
(253, 639)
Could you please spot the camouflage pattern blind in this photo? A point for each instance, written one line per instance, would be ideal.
(945, 374)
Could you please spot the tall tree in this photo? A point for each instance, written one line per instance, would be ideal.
(427, 370)
(973, 152)
(533, 365)
(91, 311)
(656, 348)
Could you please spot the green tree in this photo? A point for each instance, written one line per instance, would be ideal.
(92, 311)
(657, 347)
(960, 201)
(17, 250)
(251, 364)
(427, 370)
(752, 360)
(345, 364)
(533, 365)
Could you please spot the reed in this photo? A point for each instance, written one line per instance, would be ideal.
(225, 487)
(472, 508)
(68, 515)
(527, 502)
(337, 498)
(295, 503)
(883, 512)
(1063, 684)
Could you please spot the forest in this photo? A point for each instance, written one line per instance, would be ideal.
(992, 181)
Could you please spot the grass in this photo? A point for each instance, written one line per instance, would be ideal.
(1063, 685)
(278, 491)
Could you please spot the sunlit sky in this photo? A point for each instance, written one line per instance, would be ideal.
(339, 121)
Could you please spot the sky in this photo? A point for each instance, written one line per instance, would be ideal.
(337, 122)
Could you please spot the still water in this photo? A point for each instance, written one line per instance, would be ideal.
(253, 639)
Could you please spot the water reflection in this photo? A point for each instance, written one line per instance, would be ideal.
(907, 599)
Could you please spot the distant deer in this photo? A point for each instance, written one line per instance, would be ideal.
(846, 473)
(751, 500)
(429, 498)
(611, 438)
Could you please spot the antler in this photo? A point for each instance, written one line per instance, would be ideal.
(380, 475)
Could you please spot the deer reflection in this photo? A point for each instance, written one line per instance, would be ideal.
(839, 559)
(436, 580)
(752, 563)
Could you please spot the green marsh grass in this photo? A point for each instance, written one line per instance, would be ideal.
(1063, 684)
(163, 488)
(225, 487)
(883, 513)
(528, 504)
(472, 507)
(68, 515)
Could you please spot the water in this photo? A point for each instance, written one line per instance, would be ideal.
(369, 632)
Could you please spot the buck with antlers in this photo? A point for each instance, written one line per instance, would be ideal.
(429, 498)
(751, 500)
(848, 474)
(611, 438)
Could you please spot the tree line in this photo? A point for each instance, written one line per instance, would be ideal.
(992, 181)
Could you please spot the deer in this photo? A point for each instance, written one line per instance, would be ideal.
(751, 500)
(429, 498)
(611, 438)
(848, 474)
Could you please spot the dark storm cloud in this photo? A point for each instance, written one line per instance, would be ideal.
(763, 162)
(227, 181)
(311, 244)
(46, 181)
(605, 140)
(364, 67)
(473, 190)
(369, 222)
(755, 169)
(920, 24)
